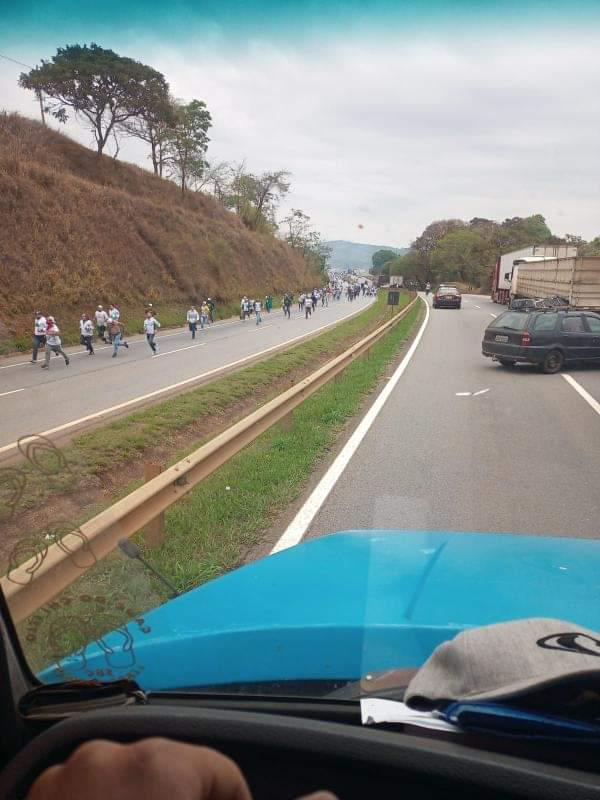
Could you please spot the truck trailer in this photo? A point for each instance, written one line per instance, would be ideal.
(503, 271)
(575, 279)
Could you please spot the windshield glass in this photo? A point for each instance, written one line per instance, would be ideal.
(515, 322)
(242, 444)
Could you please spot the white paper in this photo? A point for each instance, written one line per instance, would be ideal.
(374, 711)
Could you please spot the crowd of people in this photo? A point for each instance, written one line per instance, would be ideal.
(107, 326)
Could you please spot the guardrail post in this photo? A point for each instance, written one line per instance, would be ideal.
(154, 531)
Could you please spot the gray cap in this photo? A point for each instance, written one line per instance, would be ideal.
(506, 660)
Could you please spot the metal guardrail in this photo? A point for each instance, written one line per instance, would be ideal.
(31, 585)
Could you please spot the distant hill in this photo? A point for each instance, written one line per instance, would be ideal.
(78, 230)
(353, 254)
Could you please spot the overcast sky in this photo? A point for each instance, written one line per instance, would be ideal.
(388, 127)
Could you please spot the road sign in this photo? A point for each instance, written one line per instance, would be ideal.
(393, 298)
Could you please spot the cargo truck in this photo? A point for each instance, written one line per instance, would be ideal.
(502, 274)
(575, 279)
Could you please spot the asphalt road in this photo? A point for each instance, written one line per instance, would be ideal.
(522, 456)
(37, 400)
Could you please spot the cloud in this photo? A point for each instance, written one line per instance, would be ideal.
(392, 134)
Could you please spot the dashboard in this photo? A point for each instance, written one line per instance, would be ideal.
(287, 755)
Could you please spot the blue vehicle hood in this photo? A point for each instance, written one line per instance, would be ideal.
(344, 605)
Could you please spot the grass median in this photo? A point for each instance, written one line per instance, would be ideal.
(120, 446)
(210, 531)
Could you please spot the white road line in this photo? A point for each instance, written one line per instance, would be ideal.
(593, 403)
(481, 391)
(463, 394)
(493, 315)
(13, 391)
(157, 392)
(299, 525)
(179, 349)
(477, 306)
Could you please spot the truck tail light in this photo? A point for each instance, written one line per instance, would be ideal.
(525, 339)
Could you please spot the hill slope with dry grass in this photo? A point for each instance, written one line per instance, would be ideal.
(77, 230)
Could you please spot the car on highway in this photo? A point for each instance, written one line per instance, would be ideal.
(447, 297)
(548, 338)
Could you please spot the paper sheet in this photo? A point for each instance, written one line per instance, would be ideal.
(375, 711)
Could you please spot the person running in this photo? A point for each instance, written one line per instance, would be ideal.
(308, 305)
(53, 344)
(257, 310)
(115, 333)
(245, 308)
(39, 335)
(287, 305)
(427, 288)
(269, 303)
(86, 331)
(211, 310)
(301, 300)
(193, 317)
(151, 325)
(101, 320)
(204, 314)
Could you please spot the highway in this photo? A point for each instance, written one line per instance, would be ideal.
(42, 401)
(465, 444)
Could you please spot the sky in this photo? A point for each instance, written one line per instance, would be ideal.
(389, 115)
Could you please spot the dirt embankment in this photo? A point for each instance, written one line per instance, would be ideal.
(78, 230)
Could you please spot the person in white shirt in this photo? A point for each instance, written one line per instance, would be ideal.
(257, 310)
(86, 330)
(308, 304)
(114, 313)
(53, 344)
(301, 299)
(101, 320)
(192, 317)
(39, 335)
(151, 325)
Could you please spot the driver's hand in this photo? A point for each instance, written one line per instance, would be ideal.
(152, 769)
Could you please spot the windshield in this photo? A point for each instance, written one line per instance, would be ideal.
(242, 444)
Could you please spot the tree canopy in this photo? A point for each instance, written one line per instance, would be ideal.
(380, 258)
(452, 249)
(98, 85)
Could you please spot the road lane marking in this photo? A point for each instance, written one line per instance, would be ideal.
(13, 391)
(493, 315)
(179, 349)
(593, 403)
(477, 306)
(157, 392)
(463, 394)
(299, 525)
(481, 391)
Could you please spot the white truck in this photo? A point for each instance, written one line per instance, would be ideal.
(576, 279)
(503, 271)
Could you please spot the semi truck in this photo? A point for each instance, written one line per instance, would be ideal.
(502, 275)
(576, 279)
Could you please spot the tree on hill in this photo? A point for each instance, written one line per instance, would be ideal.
(100, 86)
(154, 125)
(299, 234)
(380, 258)
(255, 198)
(186, 142)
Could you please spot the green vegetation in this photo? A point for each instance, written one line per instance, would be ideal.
(211, 529)
(465, 252)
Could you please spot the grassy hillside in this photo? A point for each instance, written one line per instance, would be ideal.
(355, 254)
(78, 230)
